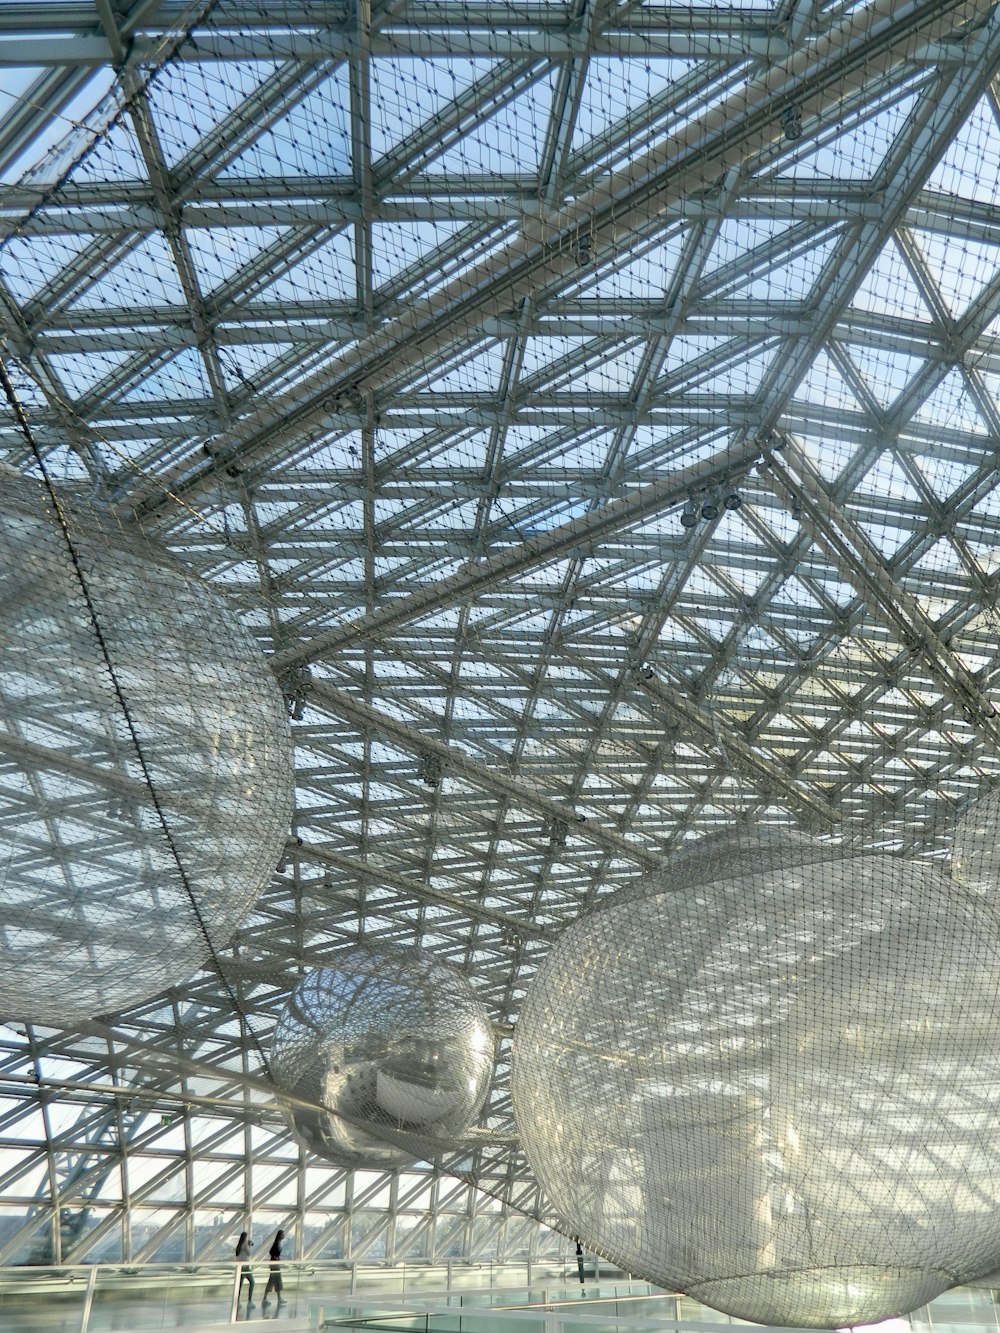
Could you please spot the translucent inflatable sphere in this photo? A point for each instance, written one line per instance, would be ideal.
(777, 1093)
(95, 914)
(976, 846)
(394, 1047)
(731, 855)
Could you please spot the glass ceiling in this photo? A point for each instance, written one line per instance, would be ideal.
(591, 407)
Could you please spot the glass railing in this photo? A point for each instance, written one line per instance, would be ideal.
(628, 1307)
(456, 1297)
(99, 1298)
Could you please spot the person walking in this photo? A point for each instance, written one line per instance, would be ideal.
(243, 1247)
(274, 1282)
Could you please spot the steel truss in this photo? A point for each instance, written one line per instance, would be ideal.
(423, 381)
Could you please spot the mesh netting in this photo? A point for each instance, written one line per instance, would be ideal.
(124, 866)
(975, 856)
(395, 1046)
(592, 408)
(773, 1083)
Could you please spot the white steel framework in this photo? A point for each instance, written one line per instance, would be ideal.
(591, 406)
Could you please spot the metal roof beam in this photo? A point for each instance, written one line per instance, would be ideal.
(863, 565)
(398, 42)
(267, 324)
(409, 887)
(819, 77)
(85, 209)
(477, 576)
(33, 113)
(366, 716)
(156, 16)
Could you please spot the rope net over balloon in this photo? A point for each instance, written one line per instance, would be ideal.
(146, 785)
(771, 1079)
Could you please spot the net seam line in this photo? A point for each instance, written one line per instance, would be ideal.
(22, 420)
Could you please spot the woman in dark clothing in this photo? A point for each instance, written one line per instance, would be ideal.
(243, 1248)
(274, 1277)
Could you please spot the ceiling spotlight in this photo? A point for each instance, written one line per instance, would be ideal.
(732, 501)
(709, 510)
(689, 516)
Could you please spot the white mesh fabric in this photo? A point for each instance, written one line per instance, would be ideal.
(776, 1092)
(96, 911)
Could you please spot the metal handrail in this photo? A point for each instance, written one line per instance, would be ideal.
(88, 1283)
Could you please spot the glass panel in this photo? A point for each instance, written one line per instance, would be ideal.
(42, 1300)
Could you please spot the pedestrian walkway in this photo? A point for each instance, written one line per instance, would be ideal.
(339, 1298)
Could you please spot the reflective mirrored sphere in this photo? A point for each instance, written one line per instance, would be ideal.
(95, 914)
(777, 1092)
(395, 1047)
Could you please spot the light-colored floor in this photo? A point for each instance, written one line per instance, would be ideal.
(126, 1299)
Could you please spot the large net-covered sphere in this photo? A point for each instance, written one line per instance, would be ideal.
(394, 1047)
(94, 914)
(736, 854)
(780, 1092)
